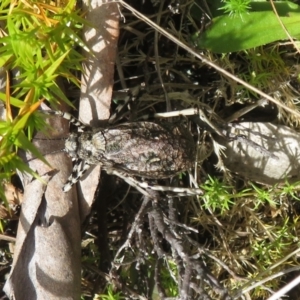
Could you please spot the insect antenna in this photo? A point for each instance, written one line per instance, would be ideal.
(50, 139)
(120, 111)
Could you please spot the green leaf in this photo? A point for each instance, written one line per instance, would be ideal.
(4, 58)
(22, 167)
(20, 123)
(23, 142)
(5, 128)
(49, 73)
(4, 4)
(254, 29)
(7, 158)
(10, 162)
(13, 101)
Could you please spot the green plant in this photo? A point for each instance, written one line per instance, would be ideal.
(263, 196)
(38, 47)
(217, 195)
(168, 273)
(236, 7)
(248, 24)
(274, 243)
(290, 190)
(111, 295)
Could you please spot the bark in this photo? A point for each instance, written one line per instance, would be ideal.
(97, 82)
(46, 261)
(279, 140)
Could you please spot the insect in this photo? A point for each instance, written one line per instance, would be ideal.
(153, 150)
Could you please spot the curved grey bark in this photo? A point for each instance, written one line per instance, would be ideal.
(97, 82)
(281, 141)
(47, 255)
(46, 261)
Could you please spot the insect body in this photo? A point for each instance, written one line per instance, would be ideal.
(144, 149)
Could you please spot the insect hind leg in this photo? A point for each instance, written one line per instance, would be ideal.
(142, 187)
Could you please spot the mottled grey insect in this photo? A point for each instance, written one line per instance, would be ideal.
(144, 149)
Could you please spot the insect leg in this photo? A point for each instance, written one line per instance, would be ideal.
(131, 97)
(79, 169)
(177, 190)
(143, 186)
(131, 181)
